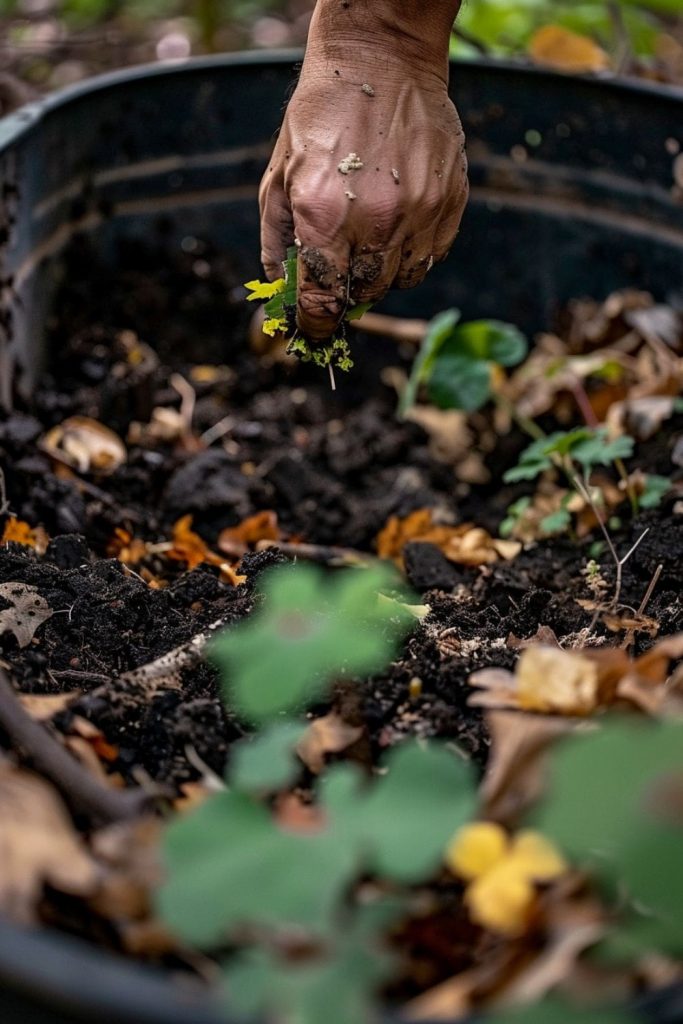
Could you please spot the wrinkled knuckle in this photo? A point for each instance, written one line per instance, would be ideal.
(319, 313)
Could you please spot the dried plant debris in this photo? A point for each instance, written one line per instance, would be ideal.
(26, 613)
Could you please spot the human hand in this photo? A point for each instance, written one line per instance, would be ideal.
(368, 177)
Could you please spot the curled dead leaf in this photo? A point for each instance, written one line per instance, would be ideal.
(578, 682)
(187, 546)
(85, 445)
(465, 544)
(236, 540)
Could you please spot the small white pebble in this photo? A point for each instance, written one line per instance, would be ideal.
(367, 89)
(395, 175)
(352, 162)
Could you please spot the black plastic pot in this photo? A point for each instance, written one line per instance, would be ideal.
(573, 192)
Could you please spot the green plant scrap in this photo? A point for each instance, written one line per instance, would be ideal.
(280, 299)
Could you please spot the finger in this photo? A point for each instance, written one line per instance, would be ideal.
(277, 227)
(322, 295)
(372, 274)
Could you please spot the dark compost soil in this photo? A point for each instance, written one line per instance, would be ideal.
(334, 467)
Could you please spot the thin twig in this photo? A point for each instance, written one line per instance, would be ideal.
(322, 554)
(648, 593)
(78, 786)
(583, 487)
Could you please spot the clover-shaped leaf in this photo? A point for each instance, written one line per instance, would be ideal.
(310, 629)
(231, 863)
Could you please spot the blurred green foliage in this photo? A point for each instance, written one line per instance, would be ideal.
(504, 27)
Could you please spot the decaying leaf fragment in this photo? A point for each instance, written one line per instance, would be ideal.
(85, 445)
(578, 682)
(236, 540)
(465, 544)
(327, 735)
(187, 546)
(16, 531)
(28, 610)
(38, 845)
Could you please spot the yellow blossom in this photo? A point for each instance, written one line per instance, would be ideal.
(501, 873)
(476, 848)
(536, 856)
(264, 290)
(501, 899)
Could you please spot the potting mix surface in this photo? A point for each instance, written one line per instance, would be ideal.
(229, 457)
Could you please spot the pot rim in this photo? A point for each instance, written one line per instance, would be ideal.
(23, 120)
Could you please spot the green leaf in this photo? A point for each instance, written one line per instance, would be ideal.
(228, 864)
(459, 383)
(439, 330)
(597, 450)
(356, 312)
(556, 522)
(310, 629)
(515, 511)
(533, 460)
(413, 810)
(621, 830)
(266, 761)
(656, 487)
(489, 341)
(617, 766)
(336, 987)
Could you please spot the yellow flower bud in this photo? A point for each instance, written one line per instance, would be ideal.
(501, 899)
(476, 849)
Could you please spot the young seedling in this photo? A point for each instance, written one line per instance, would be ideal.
(280, 298)
(457, 361)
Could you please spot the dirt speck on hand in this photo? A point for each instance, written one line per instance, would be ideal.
(352, 162)
(367, 89)
(350, 194)
(395, 175)
(317, 265)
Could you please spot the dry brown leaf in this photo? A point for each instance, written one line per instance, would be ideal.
(38, 846)
(564, 50)
(27, 611)
(578, 682)
(16, 531)
(640, 417)
(465, 544)
(85, 445)
(293, 815)
(43, 706)
(236, 540)
(130, 851)
(327, 735)
(126, 548)
(515, 773)
(187, 546)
